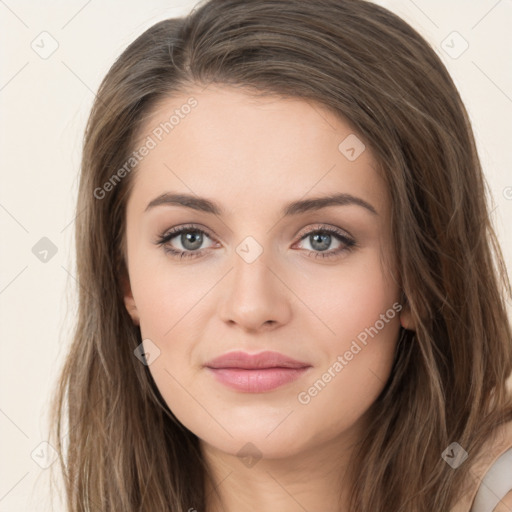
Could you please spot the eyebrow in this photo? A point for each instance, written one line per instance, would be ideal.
(294, 208)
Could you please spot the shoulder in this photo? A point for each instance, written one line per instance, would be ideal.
(505, 505)
(491, 475)
(495, 488)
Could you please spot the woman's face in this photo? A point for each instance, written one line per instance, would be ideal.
(260, 273)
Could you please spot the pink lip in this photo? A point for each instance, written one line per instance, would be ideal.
(256, 373)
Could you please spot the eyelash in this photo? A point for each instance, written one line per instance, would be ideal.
(163, 241)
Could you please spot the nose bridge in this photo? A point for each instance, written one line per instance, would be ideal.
(254, 295)
(252, 264)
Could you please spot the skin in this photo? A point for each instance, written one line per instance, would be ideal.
(253, 156)
(505, 505)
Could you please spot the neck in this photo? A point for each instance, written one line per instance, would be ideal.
(314, 479)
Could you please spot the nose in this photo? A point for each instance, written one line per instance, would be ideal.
(255, 295)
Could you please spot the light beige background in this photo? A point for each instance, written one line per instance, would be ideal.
(44, 105)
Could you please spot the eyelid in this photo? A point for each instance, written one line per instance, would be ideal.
(301, 234)
(190, 227)
(177, 230)
(346, 239)
(342, 235)
(324, 227)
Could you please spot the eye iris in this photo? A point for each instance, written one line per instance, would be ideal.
(324, 238)
(193, 237)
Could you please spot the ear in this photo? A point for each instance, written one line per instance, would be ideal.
(406, 320)
(129, 301)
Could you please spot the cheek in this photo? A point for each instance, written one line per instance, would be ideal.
(362, 314)
(351, 300)
(166, 295)
(335, 399)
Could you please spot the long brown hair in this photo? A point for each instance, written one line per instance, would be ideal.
(123, 449)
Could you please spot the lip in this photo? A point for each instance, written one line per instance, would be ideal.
(256, 373)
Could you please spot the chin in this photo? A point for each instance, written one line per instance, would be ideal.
(265, 436)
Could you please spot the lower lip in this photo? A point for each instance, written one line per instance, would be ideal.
(258, 380)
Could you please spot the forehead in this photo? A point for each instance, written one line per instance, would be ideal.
(224, 142)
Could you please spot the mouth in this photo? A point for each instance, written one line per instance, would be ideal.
(256, 373)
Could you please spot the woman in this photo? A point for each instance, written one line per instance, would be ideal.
(291, 294)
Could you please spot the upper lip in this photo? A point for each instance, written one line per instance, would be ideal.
(243, 360)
